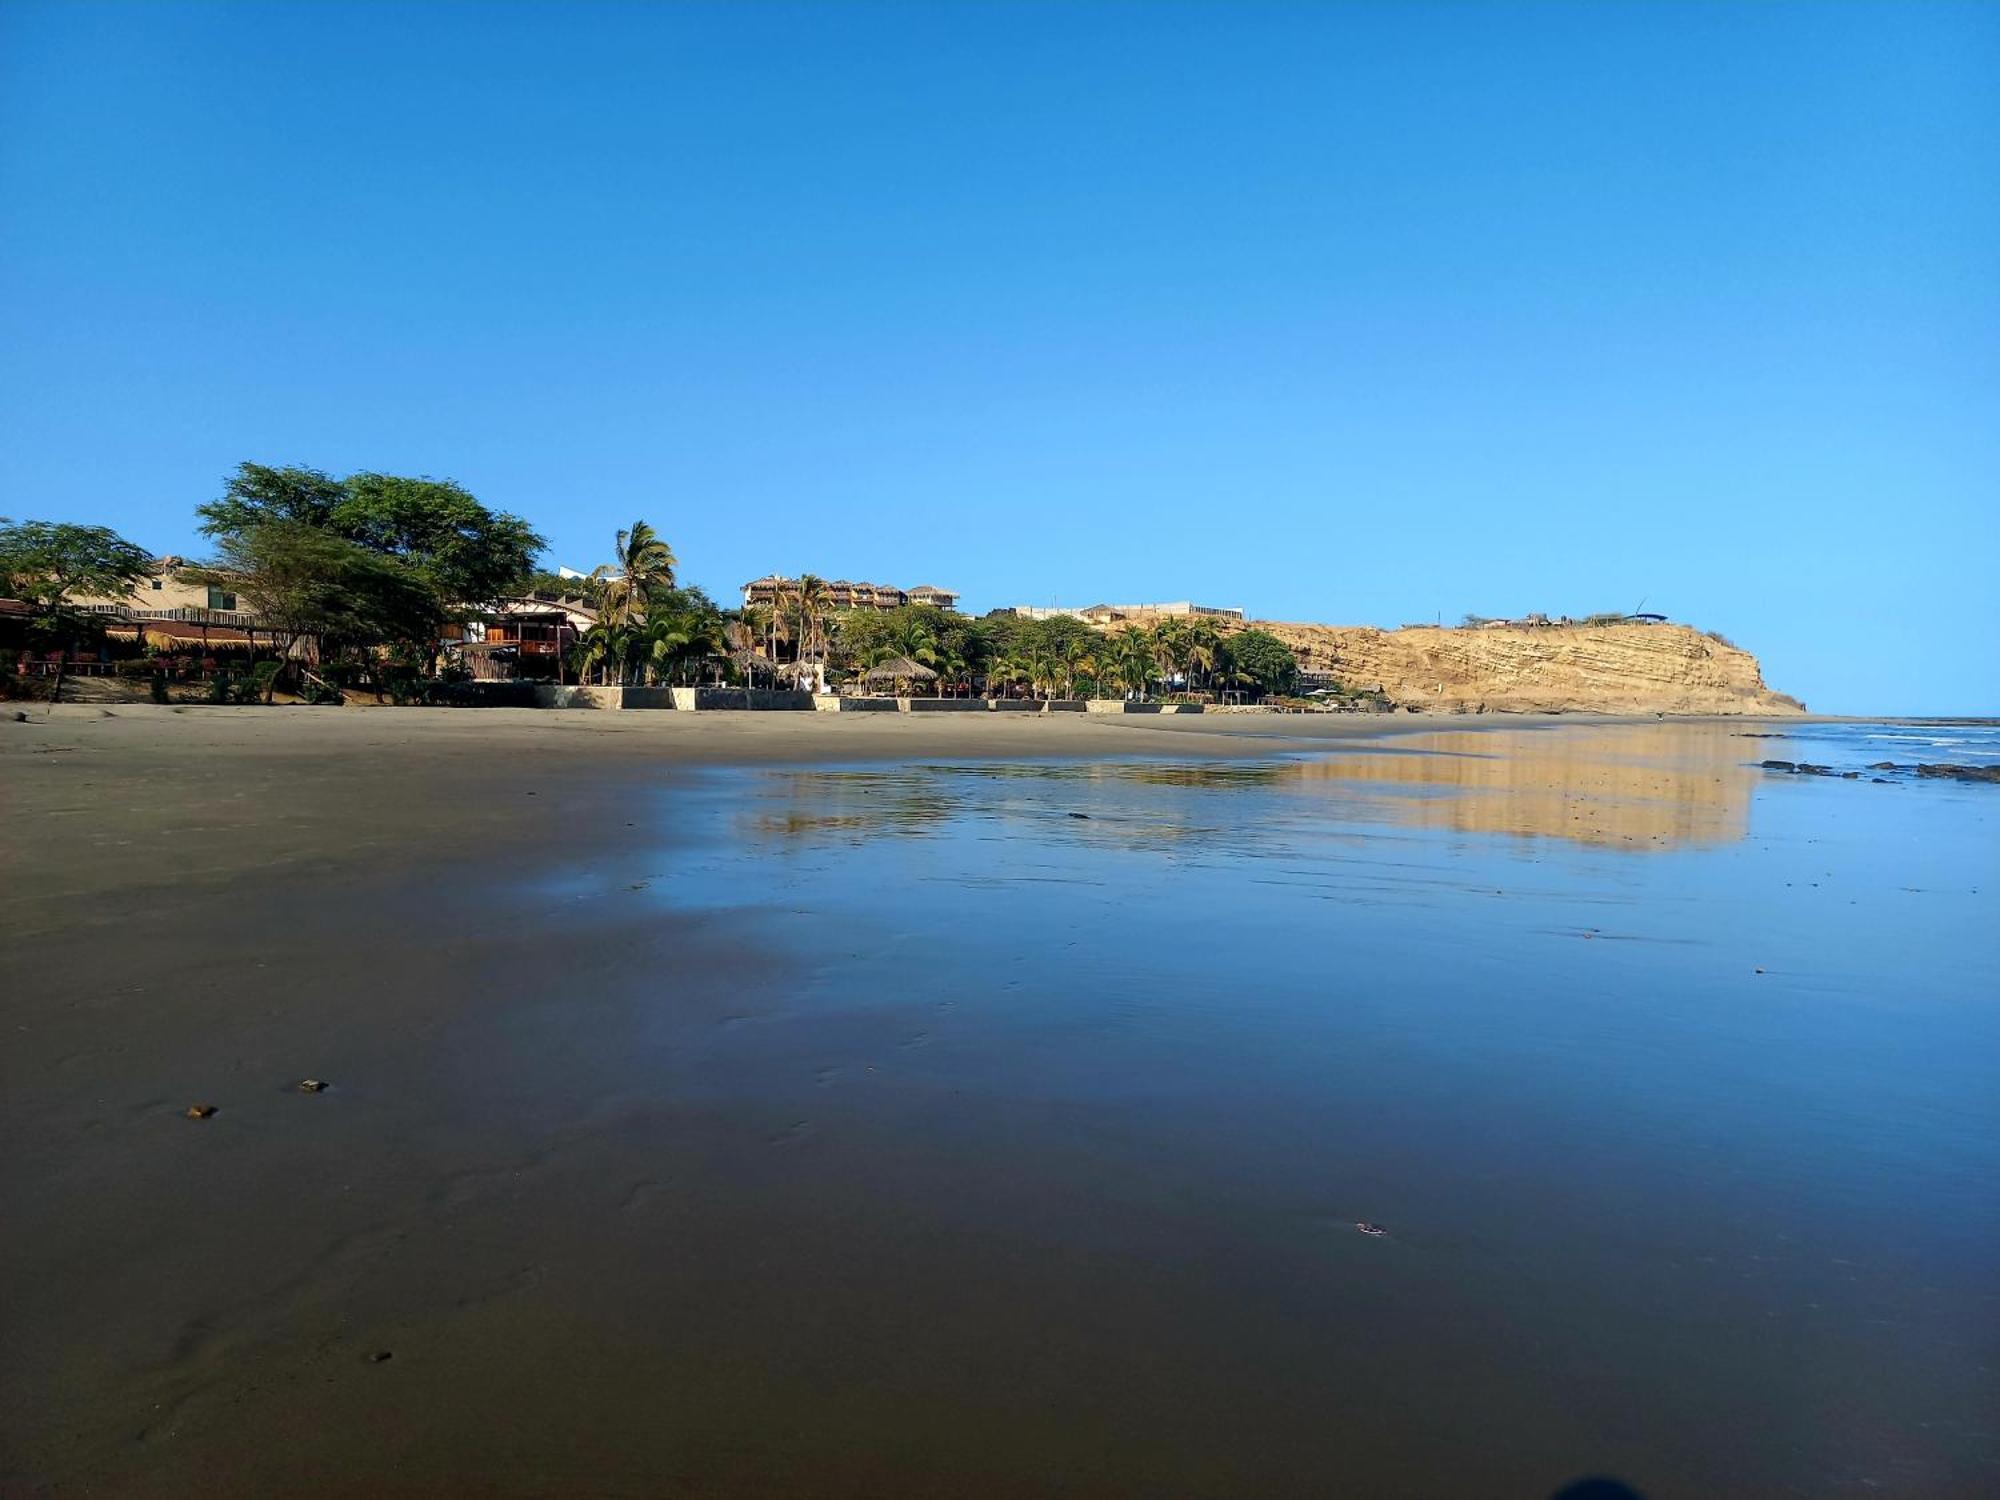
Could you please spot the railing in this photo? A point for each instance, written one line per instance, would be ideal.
(235, 619)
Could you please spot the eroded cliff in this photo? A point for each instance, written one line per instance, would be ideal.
(1656, 668)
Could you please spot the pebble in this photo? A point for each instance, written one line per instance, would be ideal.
(200, 1111)
(1372, 1229)
(312, 1085)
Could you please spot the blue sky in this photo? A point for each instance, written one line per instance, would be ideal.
(1346, 313)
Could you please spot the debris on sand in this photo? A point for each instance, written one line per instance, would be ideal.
(312, 1085)
(200, 1111)
(1369, 1228)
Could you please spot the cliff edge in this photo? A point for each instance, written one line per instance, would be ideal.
(1631, 668)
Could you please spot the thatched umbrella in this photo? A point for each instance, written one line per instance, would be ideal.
(750, 662)
(898, 669)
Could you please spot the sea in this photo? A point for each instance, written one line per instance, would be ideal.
(1582, 1110)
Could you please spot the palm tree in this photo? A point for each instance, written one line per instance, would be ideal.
(778, 623)
(1169, 646)
(1204, 650)
(809, 603)
(644, 564)
(1076, 662)
(1132, 658)
(595, 647)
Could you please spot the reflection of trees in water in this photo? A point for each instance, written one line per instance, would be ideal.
(1648, 786)
(859, 804)
(1639, 786)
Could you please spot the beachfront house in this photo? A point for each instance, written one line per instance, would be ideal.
(168, 610)
(525, 637)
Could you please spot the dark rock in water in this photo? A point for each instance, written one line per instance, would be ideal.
(1883, 765)
(1961, 773)
(1778, 765)
(1371, 1229)
(1084, 816)
(1850, 775)
(1807, 768)
(1881, 781)
(380, 1356)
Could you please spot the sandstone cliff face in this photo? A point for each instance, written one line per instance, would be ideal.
(1581, 668)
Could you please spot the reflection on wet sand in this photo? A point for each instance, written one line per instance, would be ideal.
(1633, 786)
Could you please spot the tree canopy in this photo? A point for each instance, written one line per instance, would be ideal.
(303, 581)
(1264, 659)
(465, 553)
(48, 564)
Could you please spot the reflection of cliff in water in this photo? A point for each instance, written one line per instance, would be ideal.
(1639, 786)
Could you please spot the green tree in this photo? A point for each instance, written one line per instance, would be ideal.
(1265, 660)
(48, 565)
(307, 585)
(1132, 658)
(469, 555)
(257, 494)
(644, 563)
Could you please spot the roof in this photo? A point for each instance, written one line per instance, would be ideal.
(898, 668)
(181, 630)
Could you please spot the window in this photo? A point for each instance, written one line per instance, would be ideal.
(157, 585)
(217, 599)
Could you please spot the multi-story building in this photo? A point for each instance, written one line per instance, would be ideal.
(843, 594)
(168, 610)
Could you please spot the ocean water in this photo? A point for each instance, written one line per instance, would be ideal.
(1671, 1081)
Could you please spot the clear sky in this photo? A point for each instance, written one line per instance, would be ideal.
(1355, 313)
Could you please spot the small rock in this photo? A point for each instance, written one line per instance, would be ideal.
(1883, 765)
(1084, 816)
(1779, 765)
(200, 1111)
(312, 1085)
(1370, 1229)
(380, 1357)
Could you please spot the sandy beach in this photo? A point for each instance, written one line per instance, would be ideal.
(609, 1196)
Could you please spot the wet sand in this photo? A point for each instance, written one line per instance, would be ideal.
(608, 1196)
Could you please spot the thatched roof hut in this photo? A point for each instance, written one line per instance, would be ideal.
(899, 669)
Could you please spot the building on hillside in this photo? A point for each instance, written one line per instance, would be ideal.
(842, 593)
(1107, 614)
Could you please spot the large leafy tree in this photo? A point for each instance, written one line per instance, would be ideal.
(50, 564)
(258, 493)
(304, 583)
(1264, 659)
(467, 554)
